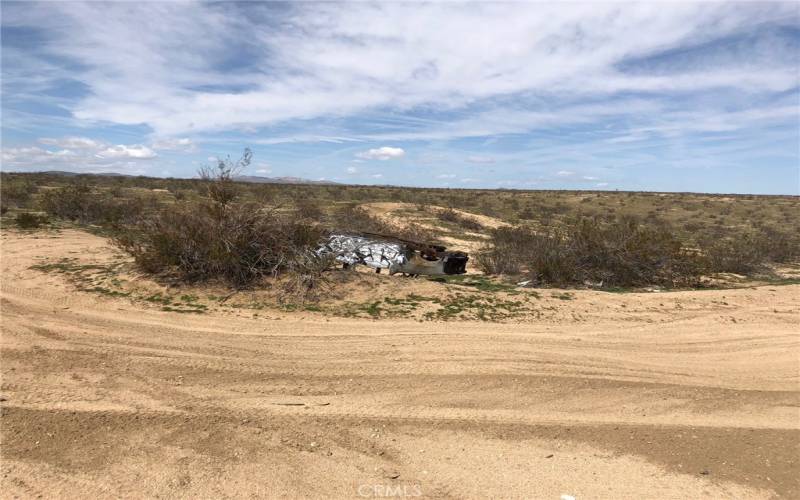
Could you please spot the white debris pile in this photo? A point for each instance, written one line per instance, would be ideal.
(352, 250)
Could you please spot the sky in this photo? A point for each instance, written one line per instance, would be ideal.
(656, 96)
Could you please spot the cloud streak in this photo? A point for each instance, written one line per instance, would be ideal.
(533, 90)
(326, 60)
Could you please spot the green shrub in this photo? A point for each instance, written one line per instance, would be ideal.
(620, 253)
(751, 251)
(80, 203)
(16, 192)
(28, 220)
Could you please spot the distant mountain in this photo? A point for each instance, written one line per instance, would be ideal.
(241, 178)
(279, 180)
(75, 174)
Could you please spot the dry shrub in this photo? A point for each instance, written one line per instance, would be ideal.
(510, 250)
(219, 180)
(220, 240)
(80, 203)
(239, 244)
(309, 209)
(16, 192)
(620, 253)
(450, 215)
(28, 220)
(307, 278)
(352, 218)
(750, 252)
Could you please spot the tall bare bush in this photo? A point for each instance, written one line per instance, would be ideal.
(218, 239)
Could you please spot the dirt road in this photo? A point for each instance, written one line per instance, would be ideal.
(106, 397)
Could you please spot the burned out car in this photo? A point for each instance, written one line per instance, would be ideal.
(395, 254)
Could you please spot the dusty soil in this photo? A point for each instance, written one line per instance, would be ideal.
(671, 395)
(388, 209)
(398, 214)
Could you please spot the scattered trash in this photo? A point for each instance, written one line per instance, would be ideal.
(524, 283)
(549, 456)
(567, 497)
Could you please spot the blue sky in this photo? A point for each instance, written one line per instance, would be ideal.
(660, 96)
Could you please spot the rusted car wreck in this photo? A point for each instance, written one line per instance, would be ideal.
(395, 254)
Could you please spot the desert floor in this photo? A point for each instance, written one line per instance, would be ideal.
(694, 395)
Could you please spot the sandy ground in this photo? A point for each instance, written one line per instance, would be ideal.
(392, 213)
(388, 210)
(103, 396)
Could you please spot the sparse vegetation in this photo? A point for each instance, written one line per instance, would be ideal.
(354, 218)
(16, 192)
(624, 252)
(457, 306)
(175, 227)
(469, 223)
(219, 239)
(84, 204)
(751, 251)
(29, 220)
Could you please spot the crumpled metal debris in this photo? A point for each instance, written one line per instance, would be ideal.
(398, 256)
(353, 249)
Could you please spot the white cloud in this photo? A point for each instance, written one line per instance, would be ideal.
(352, 170)
(480, 159)
(418, 57)
(546, 81)
(135, 152)
(72, 142)
(589, 178)
(14, 155)
(446, 176)
(382, 153)
(76, 160)
(174, 144)
(565, 173)
(377, 176)
(601, 184)
(66, 153)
